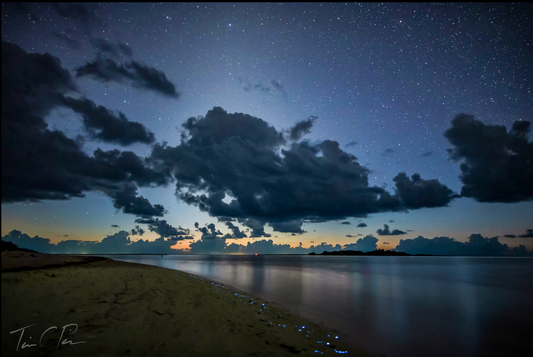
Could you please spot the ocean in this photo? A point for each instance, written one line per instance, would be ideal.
(391, 306)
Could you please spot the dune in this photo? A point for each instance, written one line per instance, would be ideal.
(92, 306)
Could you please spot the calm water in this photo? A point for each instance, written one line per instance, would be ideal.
(392, 306)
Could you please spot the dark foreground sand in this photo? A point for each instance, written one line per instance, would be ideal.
(125, 309)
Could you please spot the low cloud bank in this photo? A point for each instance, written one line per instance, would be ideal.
(214, 242)
(118, 243)
(477, 245)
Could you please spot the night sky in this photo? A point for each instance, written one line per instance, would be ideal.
(339, 125)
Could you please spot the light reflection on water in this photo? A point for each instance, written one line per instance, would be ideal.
(396, 306)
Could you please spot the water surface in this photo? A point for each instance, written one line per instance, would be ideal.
(392, 306)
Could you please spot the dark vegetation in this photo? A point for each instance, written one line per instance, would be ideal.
(12, 246)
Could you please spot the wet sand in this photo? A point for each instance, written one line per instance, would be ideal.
(93, 306)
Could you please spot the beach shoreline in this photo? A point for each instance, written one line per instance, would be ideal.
(95, 306)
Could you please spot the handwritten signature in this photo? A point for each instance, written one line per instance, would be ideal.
(59, 342)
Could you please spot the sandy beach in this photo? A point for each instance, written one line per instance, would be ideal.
(90, 306)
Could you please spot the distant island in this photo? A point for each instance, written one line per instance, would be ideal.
(379, 252)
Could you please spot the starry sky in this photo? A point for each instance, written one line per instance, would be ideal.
(212, 125)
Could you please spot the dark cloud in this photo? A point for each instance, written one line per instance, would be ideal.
(108, 48)
(125, 166)
(164, 229)
(39, 163)
(351, 143)
(345, 222)
(427, 153)
(350, 236)
(238, 156)
(115, 225)
(257, 227)
(418, 193)
(366, 244)
(127, 200)
(137, 231)
(509, 236)
(529, 234)
(180, 238)
(118, 243)
(362, 224)
(237, 234)
(220, 128)
(209, 231)
(104, 125)
(388, 152)
(476, 245)
(107, 70)
(32, 83)
(387, 232)
(497, 165)
(32, 155)
(301, 128)
(386, 243)
(294, 226)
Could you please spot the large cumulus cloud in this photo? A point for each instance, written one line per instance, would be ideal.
(497, 165)
(236, 165)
